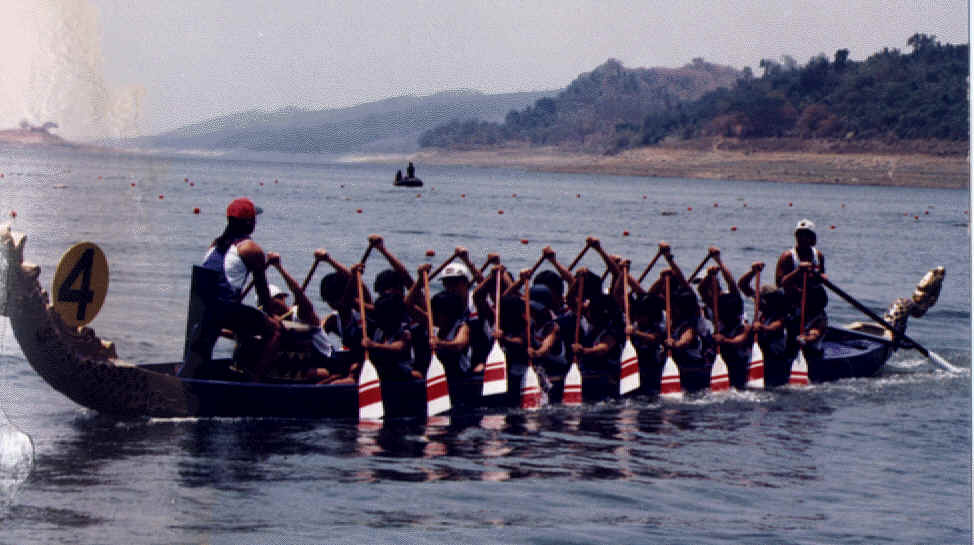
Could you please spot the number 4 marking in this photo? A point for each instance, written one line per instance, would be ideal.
(84, 295)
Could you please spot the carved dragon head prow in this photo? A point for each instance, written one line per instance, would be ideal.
(925, 295)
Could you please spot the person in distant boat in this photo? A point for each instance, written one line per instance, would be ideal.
(235, 257)
(398, 176)
(410, 171)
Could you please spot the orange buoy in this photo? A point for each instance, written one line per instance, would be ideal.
(500, 211)
(418, 195)
(192, 184)
(916, 217)
(430, 253)
(132, 184)
(463, 195)
(689, 209)
(275, 181)
(733, 228)
(745, 205)
(524, 241)
(715, 205)
(186, 180)
(831, 227)
(358, 211)
(99, 177)
(160, 197)
(514, 194)
(13, 213)
(262, 184)
(578, 195)
(926, 212)
(644, 197)
(843, 205)
(625, 233)
(196, 210)
(789, 204)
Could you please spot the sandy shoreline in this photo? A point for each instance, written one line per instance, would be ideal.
(917, 170)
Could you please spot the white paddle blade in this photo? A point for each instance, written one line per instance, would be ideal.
(719, 378)
(799, 371)
(939, 361)
(670, 388)
(530, 390)
(437, 389)
(495, 373)
(629, 372)
(572, 396)
(755, 369)
(369, 393)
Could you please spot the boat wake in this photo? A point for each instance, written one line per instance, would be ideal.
(16, 460)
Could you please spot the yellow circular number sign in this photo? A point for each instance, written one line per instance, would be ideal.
(80, 284)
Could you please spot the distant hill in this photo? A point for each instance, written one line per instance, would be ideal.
(389, 125)
(601, 110)
(922, 95)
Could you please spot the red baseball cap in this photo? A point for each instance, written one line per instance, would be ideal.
(243, 208)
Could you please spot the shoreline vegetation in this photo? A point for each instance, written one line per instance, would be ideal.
(931, 164)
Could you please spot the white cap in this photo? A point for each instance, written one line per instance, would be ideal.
(275, 290)
(455, 270)
(805, 224)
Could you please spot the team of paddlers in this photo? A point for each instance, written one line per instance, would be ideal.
(546, 320)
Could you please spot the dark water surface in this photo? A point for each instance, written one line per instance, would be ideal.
(882, 460)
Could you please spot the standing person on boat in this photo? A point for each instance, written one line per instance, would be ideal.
(399, 176)
(325, 366)
(234, 256)
(788, 277)
(803, 251)
(410, 170)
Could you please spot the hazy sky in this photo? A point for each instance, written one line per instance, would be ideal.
(178, 61)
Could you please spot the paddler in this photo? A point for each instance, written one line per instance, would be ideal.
(338, 289)
(324, 366)
(600, 347)
(647, 332)
(451, 342)
(772, 315)
(803, 251)
(733, 336)
(235, 257)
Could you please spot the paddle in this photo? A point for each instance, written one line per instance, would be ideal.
(530, 386)
(495, 372)
(648, 267)
(369, 388)
(934, 358)
(719, 377)
(799, 367)
(755, 367)
(579, 257)
(670, 382)
(629, 368)
(437, 389)
(572, 394)
(700, 266)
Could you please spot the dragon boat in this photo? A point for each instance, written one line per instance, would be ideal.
(87, 370)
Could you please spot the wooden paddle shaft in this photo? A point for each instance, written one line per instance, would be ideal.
(429, 305)
(801, 319)
(648, 267)
(578, 257)
(668, 317)
(497, 304)
(700, 266)
(578, 314)
(361, 307)
(307, 278)
(366, 254)
(527, 323)
(625, 292)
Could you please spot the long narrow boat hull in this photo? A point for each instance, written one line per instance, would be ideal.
(86, 369)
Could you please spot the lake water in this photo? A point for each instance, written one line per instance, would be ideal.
(881, 460)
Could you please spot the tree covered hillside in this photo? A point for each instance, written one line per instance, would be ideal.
(917, 95)
(599, 110)
(890, 96)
